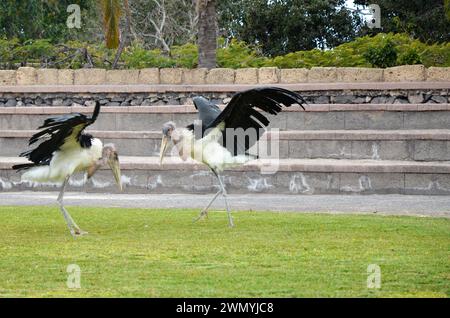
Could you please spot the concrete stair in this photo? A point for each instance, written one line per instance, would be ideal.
(419, 145)
(294, 176)
(330, 148)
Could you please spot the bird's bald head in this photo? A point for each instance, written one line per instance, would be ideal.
(168, 128)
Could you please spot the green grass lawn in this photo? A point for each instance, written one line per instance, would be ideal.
(161, 253)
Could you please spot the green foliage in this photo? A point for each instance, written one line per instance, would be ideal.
(185, 55)
(382, 50)
(370, 51)
(382, 56)
(238, 54)
(136, 56)
(410, 57)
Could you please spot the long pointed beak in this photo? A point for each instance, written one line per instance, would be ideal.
(115, 167)
(163, 149)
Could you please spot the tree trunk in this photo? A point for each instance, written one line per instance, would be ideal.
(207, 33)
(124, 35)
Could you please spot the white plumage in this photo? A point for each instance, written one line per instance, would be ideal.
(72, 159)
(239, 120)
(65, 149)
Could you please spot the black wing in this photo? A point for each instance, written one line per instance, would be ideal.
(241, 112)
(56, 134)
(207, 113)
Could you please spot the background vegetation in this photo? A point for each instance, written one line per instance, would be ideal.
(251, 33)
(382, 50)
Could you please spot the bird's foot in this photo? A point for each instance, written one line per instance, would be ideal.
(203, 214)
(78, 232)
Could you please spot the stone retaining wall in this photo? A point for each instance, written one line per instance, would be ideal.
(264, 75)
(180, 98)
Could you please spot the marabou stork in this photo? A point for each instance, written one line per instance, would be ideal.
(65, 149)
(208, 141)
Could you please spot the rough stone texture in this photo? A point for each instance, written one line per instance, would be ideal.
(438, 74)
(195, 76)
(292, 182)
(322, 75)
(369, 183)
(171, 75)
(416, 98)
(26, 76)
(220, 76)
(89, 76)
(66, 77)
(404, 73)
(7, 77)
(268, 75)
(427, 151)
(359, 74)
(149, 76)
(127, 77)
(47, 76)
(293, 75)
(246, 76)
(427, 184)
(264, 75)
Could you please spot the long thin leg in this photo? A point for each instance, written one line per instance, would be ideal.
(204, 212)
(73, 227)
(224, 194)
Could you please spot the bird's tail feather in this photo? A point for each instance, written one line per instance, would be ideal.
(37, 174)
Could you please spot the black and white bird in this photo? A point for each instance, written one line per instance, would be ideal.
(65, 149)
(208, 140)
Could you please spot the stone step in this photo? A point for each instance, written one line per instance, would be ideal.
(295, 176)
(418, 145)
(316, 117)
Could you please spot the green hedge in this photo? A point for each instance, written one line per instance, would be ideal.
(382, 50)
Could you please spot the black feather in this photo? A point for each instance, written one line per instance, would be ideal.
(242, 112)
(55, 133)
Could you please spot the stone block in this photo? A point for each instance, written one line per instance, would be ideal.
(405, 73)
(47, 76)
(66, 77)
(246, 76)
(26, 76)
(149, 76)
(220, 76)
(90, 76)
(293, 75)
(322, 75)
(438, 74)
(123, 77)
(268, 75)
(359, 74)
(7, 77)
(171, 76)
(195, 76)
